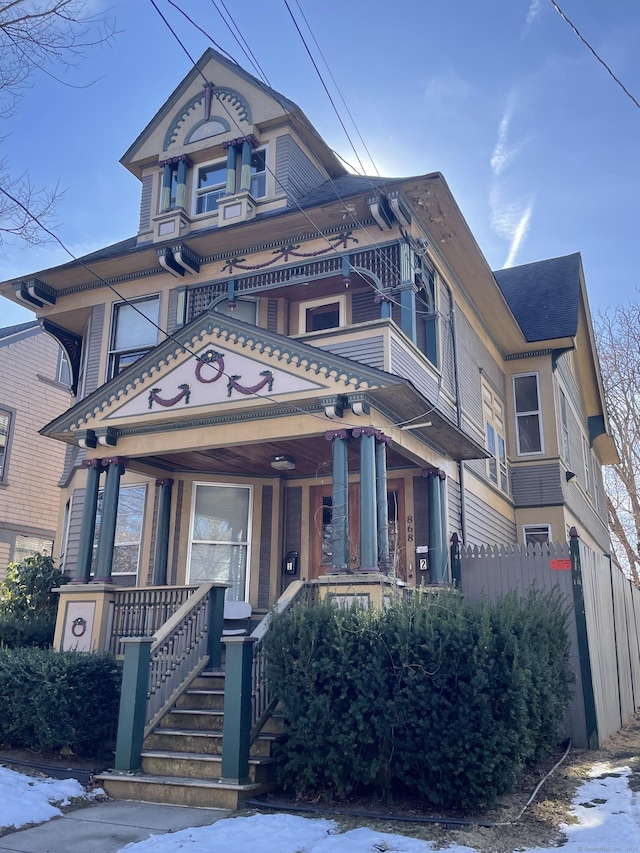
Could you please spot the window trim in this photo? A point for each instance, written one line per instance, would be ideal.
(4, 464)
(537, 527)
(113, 353)
(432, 332)
(247, 543)
(586, 461)
(264, 172)
(565, 443)
(496, 421)
(199, 192)
(340, 298)
(122, 488)
(537, 412)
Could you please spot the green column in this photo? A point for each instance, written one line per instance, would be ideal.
(436, 567)
(368, 501)
(236, 734)
(162, 532)
(339, 503)
(165, 193)
(106, 539)
(408, 312)
(381, 500)
(588, 695)
(88, 525)
(216, 622)
(181, 188)
(231, 170)
(245, 172)
(133, 703)
(446, 565)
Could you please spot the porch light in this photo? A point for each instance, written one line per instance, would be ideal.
(283, 463)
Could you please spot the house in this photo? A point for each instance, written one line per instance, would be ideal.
(293, 373)
(33, 387)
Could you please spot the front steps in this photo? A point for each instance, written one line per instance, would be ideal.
(182, 757)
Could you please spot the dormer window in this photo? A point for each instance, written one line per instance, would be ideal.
(244, 170)
(259, 173)
(212, 183)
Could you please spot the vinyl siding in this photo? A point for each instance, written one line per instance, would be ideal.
(485, 525)
(295, 173)
(537, 485)
(264, 568)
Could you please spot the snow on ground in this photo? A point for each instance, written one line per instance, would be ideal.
(606, 810)
(28, 799)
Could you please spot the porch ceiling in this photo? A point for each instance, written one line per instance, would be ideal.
(312, 459)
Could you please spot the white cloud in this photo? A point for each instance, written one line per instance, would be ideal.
(535, 8)
(442, 91)
(511, 220)
(502, 153)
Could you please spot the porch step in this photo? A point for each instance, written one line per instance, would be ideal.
(193, 765)
(202, 719)
(204, 698)
(180, 791)
(203, 742)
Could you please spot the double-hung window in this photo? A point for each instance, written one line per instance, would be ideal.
(259, 173)
(495, 437)
(210, 186)
(134, 331)
(128, 538)
(526, 392)
(536, 534)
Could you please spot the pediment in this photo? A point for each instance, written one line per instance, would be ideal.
(215, 366)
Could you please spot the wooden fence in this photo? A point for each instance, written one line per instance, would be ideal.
(604, 623)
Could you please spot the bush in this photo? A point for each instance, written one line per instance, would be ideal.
(54, 701)
(19, 633)
(436, 696)
(25, 593)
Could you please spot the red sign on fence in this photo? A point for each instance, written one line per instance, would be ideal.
(560, 565)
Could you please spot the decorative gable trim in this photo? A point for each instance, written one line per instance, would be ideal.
(232, 102)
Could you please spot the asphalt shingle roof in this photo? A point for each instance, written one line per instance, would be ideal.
(543, 296)
(20, 327)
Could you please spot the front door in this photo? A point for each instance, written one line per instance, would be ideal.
(322, 529)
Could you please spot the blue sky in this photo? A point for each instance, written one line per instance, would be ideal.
(537, 142)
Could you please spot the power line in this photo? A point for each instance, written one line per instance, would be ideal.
(600, 60)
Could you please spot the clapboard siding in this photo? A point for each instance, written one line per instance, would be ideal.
(582, 508)
(154, 534)
(446, 341)
(453, 506)
(172, 309)
(474, 358)
(176, 533)
(264, 568)
(485, 525)
(403, 363)
(94, 354)
(537, 485)
(368, 351)
(69, 560)
(295, 174)
(145, 203)
(73, 456)
(272, 315)
(292, 521)
(363, 308)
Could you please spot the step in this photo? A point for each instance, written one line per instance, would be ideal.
(196, 698)
(209, 681)
(191, 765)
(198, 793)
(200, 719)
(204, 742)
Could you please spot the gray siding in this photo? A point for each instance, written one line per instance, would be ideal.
(154, 535)
(537, 485)
(365, 350)
(446, 341)
(264, 569)
(576, 501)
(295, 173)
(421, 514)
(272, 315)
(94, 343)
(453, 506)
(292, 521)
(473, 357)
(363, 308)
(145, 203)
(176, 533)
(485, 525)
(70, 557)
(404, 364)
(73, 456)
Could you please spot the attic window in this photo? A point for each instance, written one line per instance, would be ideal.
(206, 129)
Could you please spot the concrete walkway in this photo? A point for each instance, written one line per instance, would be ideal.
(106, 827)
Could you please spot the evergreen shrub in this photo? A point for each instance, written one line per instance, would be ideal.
(433, 696)
(58, 701)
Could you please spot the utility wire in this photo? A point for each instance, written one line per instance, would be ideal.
(600, 60)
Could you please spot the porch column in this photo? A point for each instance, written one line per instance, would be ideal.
(436, 556)
(231, 170)
(162, 534)
(408, 312)
(181, 188)
(88, 525)
(381, 500)
(115, 468)
(368, 501)
(245, 171)
(339, 502)
(446, 563)
(165, 192)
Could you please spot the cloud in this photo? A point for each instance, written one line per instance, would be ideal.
(535, 7)
(443, 91)
(511, 219)
(502, 152)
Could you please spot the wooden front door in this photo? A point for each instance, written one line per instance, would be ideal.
(321, 545)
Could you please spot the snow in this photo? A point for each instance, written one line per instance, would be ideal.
(606, 810)
(28, 799)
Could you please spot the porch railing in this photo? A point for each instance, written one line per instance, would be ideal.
(142, 612)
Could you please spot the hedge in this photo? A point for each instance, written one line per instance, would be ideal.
(58, 701)
(433, 696)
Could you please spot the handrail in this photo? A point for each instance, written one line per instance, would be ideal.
(178, 654)
(262, 700)
(140, 612)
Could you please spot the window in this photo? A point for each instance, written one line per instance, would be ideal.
(564, 425)
(431, 316)
(133, 332)
(5, 435)
(259, 173)
(129, 521)
(211, 184)
(526, 394)
(588, 478)
(536, 534)
(63, 373)
(495, 438)
(29, 546)
(319, 314)
(220, 537)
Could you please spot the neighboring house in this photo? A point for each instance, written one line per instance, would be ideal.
(34, 386)
(292, 371)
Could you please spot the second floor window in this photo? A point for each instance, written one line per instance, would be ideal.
(526, 392)
(495, 438)
(211, 184)
(133, 332)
